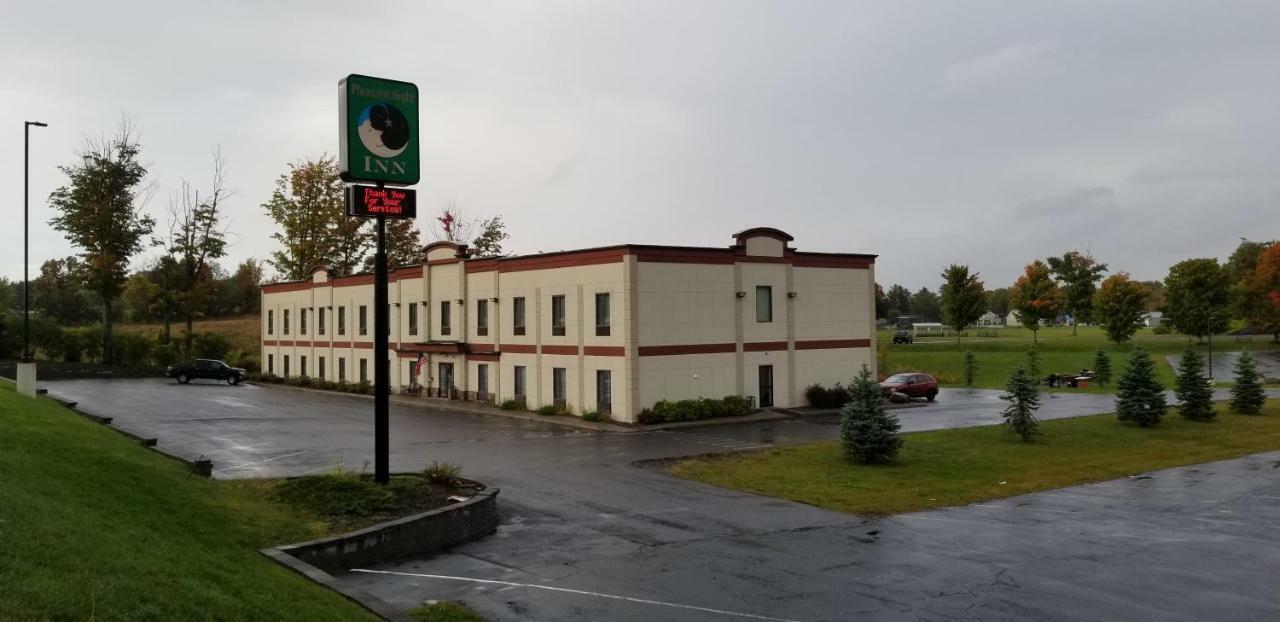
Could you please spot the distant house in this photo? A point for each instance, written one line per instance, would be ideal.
(1153, 319)
(1012, 319)
(988, 319)
(924, 329)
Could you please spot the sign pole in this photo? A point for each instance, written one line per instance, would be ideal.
(381, 369)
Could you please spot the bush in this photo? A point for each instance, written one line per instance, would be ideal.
(594, 415)
(970, 368)
(131, 350)
(442, 472)
(166, 353)
(667, 411)
(868, 434)
(210, 346)
(819, 396)
(551, 410)
(514, 404)
(48, 337)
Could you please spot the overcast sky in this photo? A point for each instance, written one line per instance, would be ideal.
(986, 133)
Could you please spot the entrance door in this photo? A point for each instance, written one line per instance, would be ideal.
(446, 380)
(766, 386)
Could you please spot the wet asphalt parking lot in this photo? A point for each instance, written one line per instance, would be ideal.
(587, 536)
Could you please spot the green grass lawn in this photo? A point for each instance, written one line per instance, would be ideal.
(954, 467)
(94, 527)
(1059, 351)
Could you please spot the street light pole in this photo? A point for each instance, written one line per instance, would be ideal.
(26, 236)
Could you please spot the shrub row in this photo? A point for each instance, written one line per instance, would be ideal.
(819, 396)
(667, 411)
(363, 388)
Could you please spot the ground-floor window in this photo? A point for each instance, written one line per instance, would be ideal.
(364, 370)
(482, 379)
(302, 365)
(286, 365)
(559, 388)
(518, 381)
(604, 391)
(320, 368)
(271, 363)
(342, 369)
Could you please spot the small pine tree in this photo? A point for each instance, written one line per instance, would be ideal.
(868, 433)
(1023, 395)
(1034, 367)
(970, 368)
(1195, 398)
(1248, 396)
(1101, 368)
(1139, 396)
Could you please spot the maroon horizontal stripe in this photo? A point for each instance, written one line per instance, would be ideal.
(560, 350)
(519, 348)
(693, 348)
(764, 346)
(604, 350)
(831, 344)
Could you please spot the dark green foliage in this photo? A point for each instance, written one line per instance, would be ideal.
(442, 472)
(1195, 396)
(1023, 395)
(513, 404)
(1139, 396)
(210, 346)
(595, 415)
(1248, 396)
(132, 350)
(1034, 365)
(868, 434)
(970, 368)
(1198, 297)
(963, 299)
(447, 611)
(551, 410)
(1101, 368)
(1079, 275)
(819, 396)
(667, 411)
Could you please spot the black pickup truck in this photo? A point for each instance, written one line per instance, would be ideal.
(205, 368)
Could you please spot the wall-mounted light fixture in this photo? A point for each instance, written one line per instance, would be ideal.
(791, 294)
(494, 299)
(741, 294)
(460, 302)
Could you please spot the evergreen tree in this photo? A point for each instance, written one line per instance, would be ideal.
(1024, 399)
(868, 433)
(970, 368)
(1195, 397)
(1101, 368)
(1033, 365)
(1248, 396)
(1139, 396)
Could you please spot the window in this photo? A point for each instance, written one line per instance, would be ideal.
(342, 320)
(271, 320)
(286, 321)
(320, 322)
(602, 314)
(364, 320)
(604, 391)
(517, 315)
(558, 389)
(482, 317)
(519, 380)
(389, 316)
(320, 369)
(364, 370)
(271, 363)
(286, 365)
(342, 370)
(413, 318)
(445, 325)
(302, 321)
(302, 365)
(764, 303)
(482, 380)
(557, 316)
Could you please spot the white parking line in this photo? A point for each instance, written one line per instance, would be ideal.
(580, 592)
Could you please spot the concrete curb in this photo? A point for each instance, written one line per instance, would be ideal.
(371, 603)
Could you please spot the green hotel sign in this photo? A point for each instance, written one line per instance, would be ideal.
(378, 138)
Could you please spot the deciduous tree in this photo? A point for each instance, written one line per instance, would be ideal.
(1035, 297)
(899, 299)
(100, 212)
(1119, 305)
(963, 299)
(196, 240)
(1198, 297)
(1079, 274)
(307, 204)
(1262, 289)
(925, 305)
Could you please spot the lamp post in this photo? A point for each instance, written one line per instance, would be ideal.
(26, 373)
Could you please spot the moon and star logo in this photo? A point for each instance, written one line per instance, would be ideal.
(383, 130)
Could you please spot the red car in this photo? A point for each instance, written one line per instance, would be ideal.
(913, 384)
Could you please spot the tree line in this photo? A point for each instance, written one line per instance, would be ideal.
(1198, 297)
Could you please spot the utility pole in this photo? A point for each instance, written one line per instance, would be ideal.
(26, 375)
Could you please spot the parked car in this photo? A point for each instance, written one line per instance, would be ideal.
(914, 384)
(903, 336)
(205, 368)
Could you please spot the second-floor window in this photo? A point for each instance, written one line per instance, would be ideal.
(342, 320)
(364, 320)
(517, 315)
(320, 323)
(446, 317)
(413, 318)
(602, 315)
(482, 317)
(764, 303)
(557, 316)
(286, 321)
(302, 329)
(271, 321)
